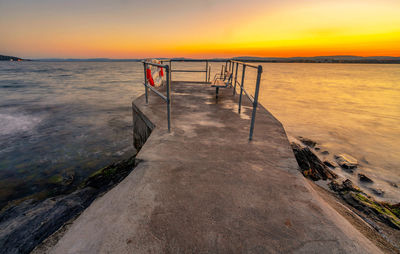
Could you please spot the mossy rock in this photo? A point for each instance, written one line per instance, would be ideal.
(55, 179)
(110, 174)
(379, 209)
(395, 209)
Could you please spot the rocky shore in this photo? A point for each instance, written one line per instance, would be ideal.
(27, 224)
(383, 217)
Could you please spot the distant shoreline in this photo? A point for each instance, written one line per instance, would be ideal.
(315, 59)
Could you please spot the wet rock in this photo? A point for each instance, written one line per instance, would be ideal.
(369, 206)
(108, 176)
(348, 185)
(310, 165)
(378, 192)
(68, 177)
(330, 163)
(307, 142)
(345, 186)
(352, 195)
(20, 233)
(364, 178)
(363, 159)
(324, 152)
(346, 161)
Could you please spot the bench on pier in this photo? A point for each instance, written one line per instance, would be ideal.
(222, 81)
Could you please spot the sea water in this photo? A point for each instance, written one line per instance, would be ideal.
(76, 117)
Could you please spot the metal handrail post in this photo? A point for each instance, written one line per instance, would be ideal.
(241, 88)
(170, 67)
(168, 71)
(209, 73)
(237, 67)
(206, 71)
(255, 103)
(145, 83)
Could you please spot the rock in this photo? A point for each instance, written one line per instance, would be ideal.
(369, 206)
(20, 233)
(364, 178)
(378, 192)
(324, 152)
(307, 142)
(317, 148)
(310, 165)
(68, 177)
(346, 186)
(346, 161)
(108, 176)
(352, 195)
(330, 164)
(393, 184)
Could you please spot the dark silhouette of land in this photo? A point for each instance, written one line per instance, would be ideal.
(314, 59)
(10, 58)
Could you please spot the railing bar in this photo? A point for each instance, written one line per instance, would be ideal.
(236, 73)
(187, 71)
(168, 71)
(155, 64)
(255, 103)
(248, 95)
(157, 92)
(249, 65)
(206, 71)
(241, 88)
(145, 83)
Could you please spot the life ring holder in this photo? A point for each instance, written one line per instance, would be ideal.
(154, 74)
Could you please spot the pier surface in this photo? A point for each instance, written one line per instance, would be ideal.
(204, 188)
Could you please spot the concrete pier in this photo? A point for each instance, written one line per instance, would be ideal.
(204, 188)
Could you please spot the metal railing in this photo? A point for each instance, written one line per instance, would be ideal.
(230, 65)
(233, 67)
(207, 69)
(167, 98)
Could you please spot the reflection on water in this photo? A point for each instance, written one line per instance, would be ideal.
(60, 119)
(347, 108)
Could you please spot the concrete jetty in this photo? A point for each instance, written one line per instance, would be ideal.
(204, 188)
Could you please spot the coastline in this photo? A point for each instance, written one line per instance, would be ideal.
(67, 223)
(378, 221)
(21, 234)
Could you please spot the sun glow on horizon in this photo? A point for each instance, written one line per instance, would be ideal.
(130, 29)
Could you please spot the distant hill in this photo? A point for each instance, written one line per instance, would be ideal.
(314, 59)
(322, 59)
(10, 58)
(86, 60)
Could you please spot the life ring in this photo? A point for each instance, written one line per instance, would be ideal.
(154, 74)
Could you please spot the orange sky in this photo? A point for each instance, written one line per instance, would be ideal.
(159, 28)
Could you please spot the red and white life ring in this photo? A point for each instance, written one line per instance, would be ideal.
(154, 74)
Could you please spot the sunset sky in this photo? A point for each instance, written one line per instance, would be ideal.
(204, 28)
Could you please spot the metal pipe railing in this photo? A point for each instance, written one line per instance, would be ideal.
(167, 98)
(207, 69)
(253, 100)
(231, 66)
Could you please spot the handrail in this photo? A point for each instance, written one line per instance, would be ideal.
(234, 65)
(249, 65)
(166, 98)
(207, 70)
(232, 68)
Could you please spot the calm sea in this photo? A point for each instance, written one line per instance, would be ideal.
(66, 118)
